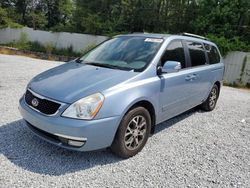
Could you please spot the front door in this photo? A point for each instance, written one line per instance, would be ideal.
(176, 88)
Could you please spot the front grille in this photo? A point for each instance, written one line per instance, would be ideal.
(43, 105)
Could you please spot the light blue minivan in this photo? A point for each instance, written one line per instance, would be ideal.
(116, 94)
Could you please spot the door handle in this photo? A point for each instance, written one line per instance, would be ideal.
(188, 78)
(195, 76)
(191, 77)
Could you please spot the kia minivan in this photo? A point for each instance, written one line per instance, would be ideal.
(116, 94)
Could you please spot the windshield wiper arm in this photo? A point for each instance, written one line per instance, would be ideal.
(96, 64)
(78, 60)
(108, 66)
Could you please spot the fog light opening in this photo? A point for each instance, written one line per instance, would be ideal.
(76, 143)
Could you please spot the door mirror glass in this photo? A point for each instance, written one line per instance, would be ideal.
(171, 66)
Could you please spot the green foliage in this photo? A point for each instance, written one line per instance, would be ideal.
(223, 17)
(48, 48)
(37, 20)
(14, 25)
(219, 17)
(92, 24)
(226, 45)
(37, 47)
(6, 21)
(3, 17)
(62, 28)
(65, 8)
(221, 20)
(39, 14)
(58, 12)
(236, 85)
(66, 52)
(23, 42)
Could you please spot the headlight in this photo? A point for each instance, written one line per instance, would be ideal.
(85, 108)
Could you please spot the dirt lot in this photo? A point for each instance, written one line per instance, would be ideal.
(195, 149)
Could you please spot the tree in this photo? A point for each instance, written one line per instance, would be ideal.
(226, 18)
(22, 7)
(220, 17)
(3, 17)
(58, 11)
(38, 20)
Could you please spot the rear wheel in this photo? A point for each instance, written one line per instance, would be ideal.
(132, 133)
(211, 101)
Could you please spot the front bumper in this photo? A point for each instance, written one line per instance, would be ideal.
(95, 134)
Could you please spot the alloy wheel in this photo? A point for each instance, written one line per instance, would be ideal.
(135, 132)
(213, 98)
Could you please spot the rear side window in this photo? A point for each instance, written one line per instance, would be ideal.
(213, 54)
(197, 53)
(174, 52)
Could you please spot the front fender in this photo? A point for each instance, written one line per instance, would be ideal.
(120, 99)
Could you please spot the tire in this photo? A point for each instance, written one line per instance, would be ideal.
(211, 101)
(133, 133)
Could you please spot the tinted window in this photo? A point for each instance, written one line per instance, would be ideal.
(174, 52)
(197, 53)
(125, 52)
(213, 54)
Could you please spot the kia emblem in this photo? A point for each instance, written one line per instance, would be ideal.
(35, 102)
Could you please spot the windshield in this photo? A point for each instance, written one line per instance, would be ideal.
(125, 53)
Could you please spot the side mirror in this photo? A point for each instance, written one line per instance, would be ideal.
(171, 66)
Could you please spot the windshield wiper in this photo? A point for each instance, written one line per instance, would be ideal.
(108, 66)
(78, 60)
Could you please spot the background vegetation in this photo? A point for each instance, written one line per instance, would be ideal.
(24, 44)
(227, 22)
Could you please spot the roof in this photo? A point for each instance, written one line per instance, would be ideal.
(149, 35)
(184, 36)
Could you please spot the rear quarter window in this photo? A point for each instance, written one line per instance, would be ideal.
(213, 54)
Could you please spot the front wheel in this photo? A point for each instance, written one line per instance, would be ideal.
(132, 133)
(211, 101)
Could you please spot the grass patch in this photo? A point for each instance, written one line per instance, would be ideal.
(237, 85)
(37, 55)
(49, 49)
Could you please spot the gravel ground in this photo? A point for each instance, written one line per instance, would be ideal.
(195, 149)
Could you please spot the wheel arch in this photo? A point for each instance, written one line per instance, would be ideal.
(218, 83)
(148, 105)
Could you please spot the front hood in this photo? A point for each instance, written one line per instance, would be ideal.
(72, 81)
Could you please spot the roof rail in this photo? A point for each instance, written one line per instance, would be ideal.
(139, 32)
(195, 36)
